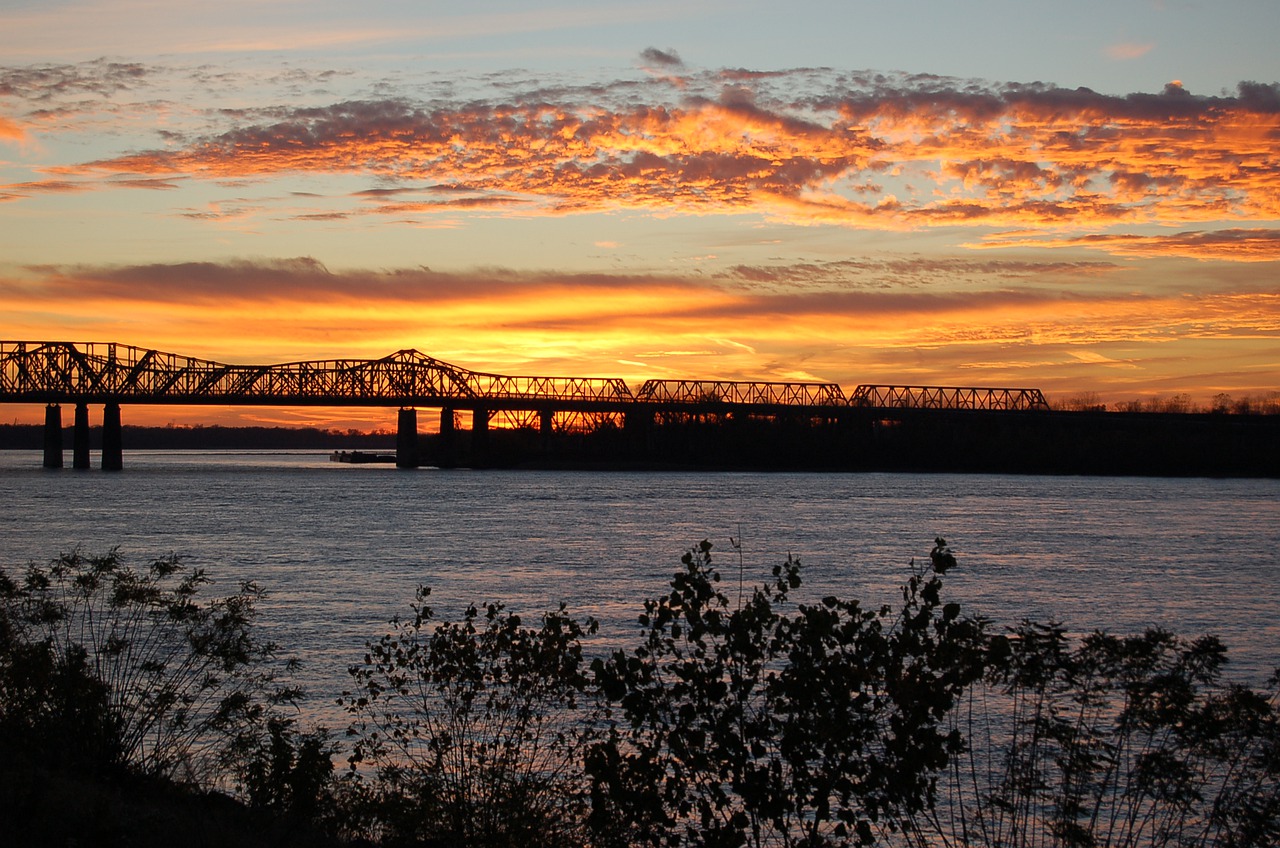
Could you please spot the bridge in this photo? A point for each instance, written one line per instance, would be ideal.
(112, 374)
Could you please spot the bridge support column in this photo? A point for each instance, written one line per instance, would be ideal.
(407, 439)
(447, 452)
(546, 420)
(80, 437)
(112, 445)
(479, 436)
(637, 428)
(53, 436)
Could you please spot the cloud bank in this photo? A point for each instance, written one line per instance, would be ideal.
(894, 152)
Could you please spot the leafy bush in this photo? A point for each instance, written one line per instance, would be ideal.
(1112, 741)
(766, 723)
(475, 729)
(108, 668)
(286, 771)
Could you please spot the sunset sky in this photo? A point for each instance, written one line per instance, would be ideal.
(1081, 197)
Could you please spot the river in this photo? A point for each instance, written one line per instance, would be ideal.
(341, 548)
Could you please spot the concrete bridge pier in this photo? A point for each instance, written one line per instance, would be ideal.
(112, 445)
(447, 453)
(637, 427)
(80, 437)
(53, 436)
(480, 436)
(546, 418)
(407, 438)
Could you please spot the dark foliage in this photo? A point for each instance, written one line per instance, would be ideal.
(474, 730)
(757, 721)
(767, 723)
(127, 700)
(286, 772)
(1112, 741)
(108, 668)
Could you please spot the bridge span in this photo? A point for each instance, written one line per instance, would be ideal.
(113, 374)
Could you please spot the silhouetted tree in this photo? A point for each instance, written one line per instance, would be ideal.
(1108, 742)
(768, 723)
(474, 729)
(117, 668)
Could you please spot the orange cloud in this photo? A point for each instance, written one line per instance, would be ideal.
(11, 130)
(898, 155)
(1126, 50)
(19, 191)
(1232, 245)
(1164, 175)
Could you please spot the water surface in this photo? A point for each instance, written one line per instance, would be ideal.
(342, 548)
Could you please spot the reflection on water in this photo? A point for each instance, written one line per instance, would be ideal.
(341, 548)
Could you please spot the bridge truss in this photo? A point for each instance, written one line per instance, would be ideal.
(107, 372)
(947, 397)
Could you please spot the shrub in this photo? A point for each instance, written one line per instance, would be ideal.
(1112, 741)
(766, 723)
(287, 771)
(109, 668)
(475, 729)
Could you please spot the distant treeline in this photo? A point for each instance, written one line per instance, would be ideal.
(1179, 404)
(201, 437)
(1149, 444)
(1038, 442)
(1156, 444)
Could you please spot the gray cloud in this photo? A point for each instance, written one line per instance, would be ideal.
(46, 82)
(661, 58)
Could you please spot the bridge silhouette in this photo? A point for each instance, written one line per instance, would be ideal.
(108, 373)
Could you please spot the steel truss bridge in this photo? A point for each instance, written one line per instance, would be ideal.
(97, 372)
(114, 374)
